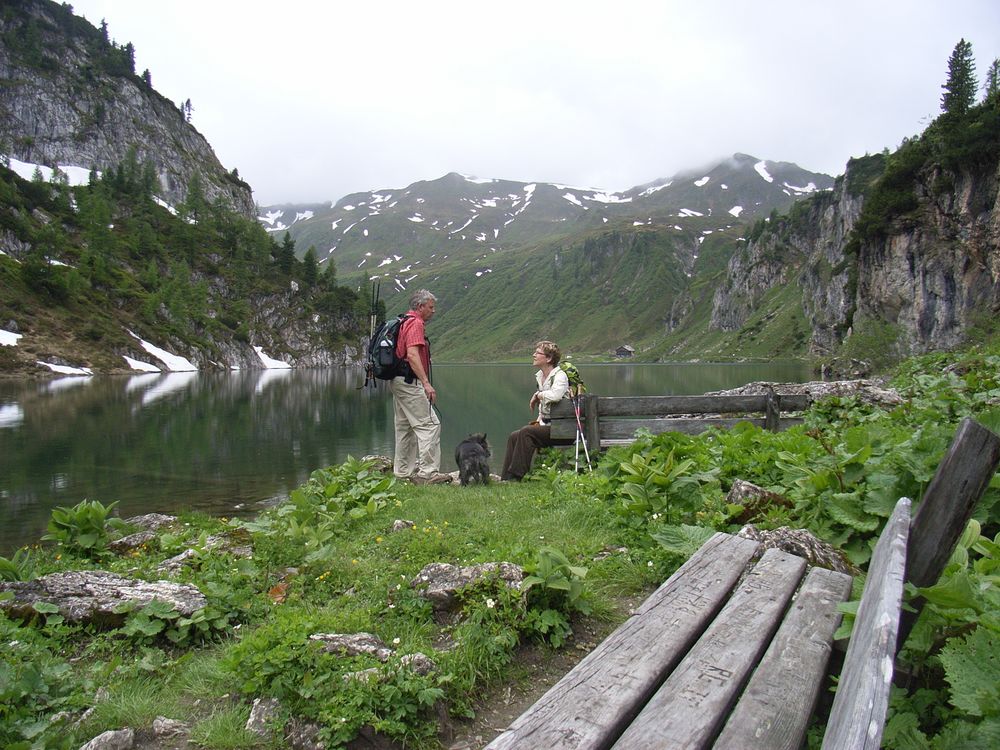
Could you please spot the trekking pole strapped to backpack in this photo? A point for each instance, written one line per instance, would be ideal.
(383, 362)
(576, 390)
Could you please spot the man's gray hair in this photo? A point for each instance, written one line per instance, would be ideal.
(421, 297)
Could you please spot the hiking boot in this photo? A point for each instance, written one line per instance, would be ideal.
(436, 478)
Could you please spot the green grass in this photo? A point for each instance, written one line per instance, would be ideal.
(362, 585)
(225, 729)
(330, 561)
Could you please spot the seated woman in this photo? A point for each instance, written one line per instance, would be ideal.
(553, 386)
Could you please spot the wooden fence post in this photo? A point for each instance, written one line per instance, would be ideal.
(961, 479)
(772, 411)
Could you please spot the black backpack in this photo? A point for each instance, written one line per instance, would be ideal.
(383, 363)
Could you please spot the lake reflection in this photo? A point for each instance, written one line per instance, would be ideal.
(225, 442)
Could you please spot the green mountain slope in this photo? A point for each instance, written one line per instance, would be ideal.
(83, 269)
(512, 261)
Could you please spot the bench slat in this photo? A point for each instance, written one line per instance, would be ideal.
(589, 707)
(662, 406)
(624, 429)
(857, 717)
(690, 708)
(775, 709)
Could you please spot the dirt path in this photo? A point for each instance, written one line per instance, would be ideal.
(536, 669)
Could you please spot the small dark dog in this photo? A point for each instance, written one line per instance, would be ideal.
(472, 456)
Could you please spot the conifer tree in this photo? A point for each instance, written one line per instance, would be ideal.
(129, 57)
(991, 87)
(960, 89)
(286, 254)
(310, 268)
(330, 274)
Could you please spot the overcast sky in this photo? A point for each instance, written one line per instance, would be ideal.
(313, 100)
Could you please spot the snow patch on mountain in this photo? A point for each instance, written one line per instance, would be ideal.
(761, 169)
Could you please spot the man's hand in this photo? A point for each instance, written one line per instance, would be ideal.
(430, 392)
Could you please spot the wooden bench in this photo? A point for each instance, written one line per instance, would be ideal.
(732, 650)
(612, 420)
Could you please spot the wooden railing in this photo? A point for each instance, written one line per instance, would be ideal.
(610, 420)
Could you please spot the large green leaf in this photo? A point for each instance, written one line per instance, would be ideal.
(683, 539)
(972, 668)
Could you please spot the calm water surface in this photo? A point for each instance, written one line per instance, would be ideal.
(224, 443)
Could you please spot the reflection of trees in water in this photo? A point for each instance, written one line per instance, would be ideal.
(163, 442)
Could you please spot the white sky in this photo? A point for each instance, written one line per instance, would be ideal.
(312, 100)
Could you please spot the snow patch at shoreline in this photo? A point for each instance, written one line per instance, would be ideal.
(139, 365)
(269, 363)
(172, 362)
(9, 338)
(66, 370)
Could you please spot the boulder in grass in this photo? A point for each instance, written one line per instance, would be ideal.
(353, 644)
(122, 739)
(92, 596)
(151, 521)
(802, 543)
(756, 501)
(440, 583)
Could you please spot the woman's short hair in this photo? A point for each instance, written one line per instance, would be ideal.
(420, 297)
(550, 350)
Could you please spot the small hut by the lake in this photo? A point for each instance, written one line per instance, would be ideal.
(624, 351)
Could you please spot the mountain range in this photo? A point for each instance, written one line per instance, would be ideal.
(466, 238)
(131, 232)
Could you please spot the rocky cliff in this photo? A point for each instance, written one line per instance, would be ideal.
(70, 97)
(916, 285)
(937, 276)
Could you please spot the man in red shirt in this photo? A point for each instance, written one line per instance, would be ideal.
(418, 429)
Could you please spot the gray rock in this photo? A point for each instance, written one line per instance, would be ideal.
(801, 543)
(382, 464)
(441, 582)
(225, 543)
(91, 596)
(263, 714)
(173, 564)
(151, 521)
(869, 391)
(353, 644)
(303, 735)
(131, 542)
(418, 662)
(755, 500)
(122, 739)
(364, 675)
(164, 727)
(401, 525)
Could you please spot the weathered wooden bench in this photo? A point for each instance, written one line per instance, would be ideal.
(611, 420)
(732, 650)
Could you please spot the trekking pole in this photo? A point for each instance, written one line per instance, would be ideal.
(576, 454)
(372, 325)
(579, 430)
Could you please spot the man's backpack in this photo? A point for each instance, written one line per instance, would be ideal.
(383, 363)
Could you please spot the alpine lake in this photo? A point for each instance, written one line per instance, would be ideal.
(231, 443)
